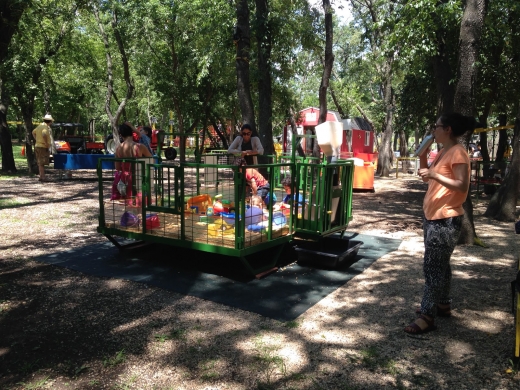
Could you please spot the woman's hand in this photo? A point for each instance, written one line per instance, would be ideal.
(246, 153)
(425, 174)
(460, 181)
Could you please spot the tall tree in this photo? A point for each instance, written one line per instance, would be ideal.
(114, 116)
(242, 39)
(504, 202)
(10, 13)
(502, 206)
(378, 19)
(30, 53)
(265, 90)
(328, 61)
(471, 27)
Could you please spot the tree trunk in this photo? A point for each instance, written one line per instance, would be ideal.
(502, 138)
(502, 205)
(11, 11)
(385, 159)
(242, 38)
(6, 144)
(27, 114)
(294, 131)
(443, 77)
(114, 117)
(265, 108)
(469, 43)
(327, 69)
(403, 145)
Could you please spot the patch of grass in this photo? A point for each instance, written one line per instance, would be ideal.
(27, 367)
(291, 324)
(38, 384)
(161, 337)
(119, 358)
(391, 367)
(513, 368)
(128, 384)
(175, 334)
(298, 376)
(266, 326)
(370, 357)
(178, 334)
(79, 370)
(210, 373)
(267, 363)
(9, 202)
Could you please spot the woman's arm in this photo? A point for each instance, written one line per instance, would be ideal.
(233, 148)
(460, 181)
(257, 146)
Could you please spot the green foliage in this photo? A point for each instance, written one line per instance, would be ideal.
(182, 59)
(118, 358)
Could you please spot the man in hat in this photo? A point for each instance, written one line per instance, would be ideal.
(42, 136)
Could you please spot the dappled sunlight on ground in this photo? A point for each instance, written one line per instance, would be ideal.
(352, 339)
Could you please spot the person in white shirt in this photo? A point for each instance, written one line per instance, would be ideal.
(246, 145)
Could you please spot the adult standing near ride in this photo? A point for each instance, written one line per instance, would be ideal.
(42, 137)
(246, 145)
(126, 174)
(448, 180)
(129, 148)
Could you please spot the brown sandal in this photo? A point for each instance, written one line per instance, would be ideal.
(413, 328)
(446, 312)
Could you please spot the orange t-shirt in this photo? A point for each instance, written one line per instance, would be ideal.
(441, 202)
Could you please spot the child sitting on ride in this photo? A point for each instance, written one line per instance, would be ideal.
(256, 212)
(257, 217)
(288, 198)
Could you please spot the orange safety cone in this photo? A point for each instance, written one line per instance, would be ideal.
(23, 150)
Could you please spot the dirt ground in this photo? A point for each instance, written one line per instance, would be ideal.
(61, 329)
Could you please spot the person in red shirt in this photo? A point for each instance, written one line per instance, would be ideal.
(259, 184)
(448, 179)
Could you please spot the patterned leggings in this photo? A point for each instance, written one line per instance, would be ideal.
(440, 238)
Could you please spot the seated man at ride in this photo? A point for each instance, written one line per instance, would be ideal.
(145, 137)
(254, 179)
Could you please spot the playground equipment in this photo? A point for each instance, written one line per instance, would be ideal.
(207, 207)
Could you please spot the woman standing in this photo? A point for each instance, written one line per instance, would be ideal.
(448, 179)
(246, 145)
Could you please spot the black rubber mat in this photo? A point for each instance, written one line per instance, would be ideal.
(283, 295)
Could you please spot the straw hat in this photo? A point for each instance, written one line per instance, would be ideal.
(48, 117)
